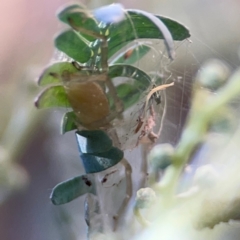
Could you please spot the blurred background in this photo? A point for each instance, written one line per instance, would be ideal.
(34, 157)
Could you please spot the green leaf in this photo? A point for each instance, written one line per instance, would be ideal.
(168, 40)
(72, 44)
(123, 70)
(96, 151)
(138, 26)
(130, 91)
(129, 94)
(95, 141)
(54, 96)
(98, 162)
(64, 13)
(53, 73)
(81, 20)
(136, 53)
(68, 122)
(179, 31)
(71, 189)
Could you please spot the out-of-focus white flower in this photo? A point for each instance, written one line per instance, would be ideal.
(110, 14)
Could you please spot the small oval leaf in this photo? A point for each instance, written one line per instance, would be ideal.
(101, 161)
(93, 141)
(68, 122)
(81, 20)
(54, 96)
(123, 70)
(132, 55)
(130, 92)
(53, 73)
(72, 44)
(71, 189)
(137, 26)
(64, 12)
(168, 40)
(179, 31)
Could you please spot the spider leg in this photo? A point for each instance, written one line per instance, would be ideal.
(128, 176)
(104, 63)
(123, 208)
(103, 123)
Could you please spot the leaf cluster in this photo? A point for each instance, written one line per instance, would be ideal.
(82, 42)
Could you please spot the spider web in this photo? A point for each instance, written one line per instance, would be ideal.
(157, 64)
(170, 115)
(173, 106)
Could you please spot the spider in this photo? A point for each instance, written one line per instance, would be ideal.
(86, 88)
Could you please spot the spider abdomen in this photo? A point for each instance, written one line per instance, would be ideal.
(88, 101)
